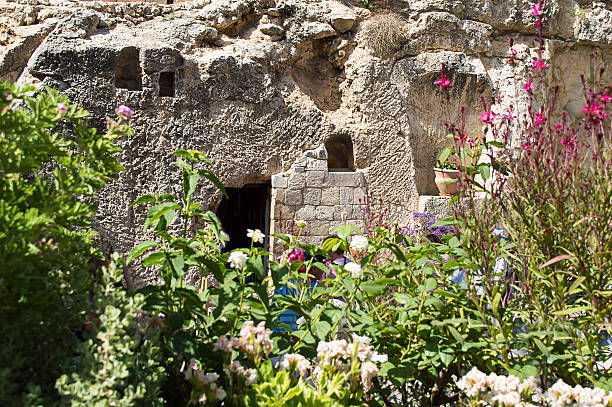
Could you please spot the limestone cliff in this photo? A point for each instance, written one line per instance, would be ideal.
(257, 83)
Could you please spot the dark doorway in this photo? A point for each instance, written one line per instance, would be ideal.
(340, 153)
(166, 84)
(127, 69)
(245, 208)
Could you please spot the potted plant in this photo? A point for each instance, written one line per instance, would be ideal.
(466, 158)
(447, 172)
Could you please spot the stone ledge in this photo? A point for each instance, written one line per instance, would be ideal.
(437, 206)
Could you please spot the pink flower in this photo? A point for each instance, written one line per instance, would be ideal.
(488, 117)
(62, 109)
(124, 112)
(529, 86)
(527, 146)
(291, 255)
(9, 97)
(605, 98)
(539, 64)
(539, 119)
(559, 126)
(570, 143)
(444, 82)
(510, 59)
(594, 109)
(537, 9)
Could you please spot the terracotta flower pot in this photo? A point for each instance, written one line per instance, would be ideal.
(447, 181)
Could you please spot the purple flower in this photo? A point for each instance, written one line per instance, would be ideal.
(124, 112)
(62, 109)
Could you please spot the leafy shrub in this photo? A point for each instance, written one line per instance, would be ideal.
(548, 314)
(48, 182)
(120, 364)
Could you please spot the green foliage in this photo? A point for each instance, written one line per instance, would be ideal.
(283, 388)
(121, 362)
(51, 165)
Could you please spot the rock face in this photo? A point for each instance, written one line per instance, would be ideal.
(257, 83)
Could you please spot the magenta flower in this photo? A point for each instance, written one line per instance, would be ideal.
(527, 146)
(537, 9)
(124, 112)
(443, 82)
(570, 143)
(529, 86)
(62, 109)
(592, 109)
(539, 119)
(559, 126)
(291, 255)
(488, 117)
(605, 98)
(510, 58)
(539, 64)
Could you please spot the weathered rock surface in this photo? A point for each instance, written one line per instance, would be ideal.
(256, 83)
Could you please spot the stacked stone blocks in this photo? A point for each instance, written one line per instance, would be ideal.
(324, 199)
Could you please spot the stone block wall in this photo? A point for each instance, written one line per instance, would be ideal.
(324, 199)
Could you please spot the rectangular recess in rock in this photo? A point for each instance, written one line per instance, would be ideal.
(127, 69)
(166, 84)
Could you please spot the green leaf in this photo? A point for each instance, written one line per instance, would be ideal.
(157, 211)
(255, 266)
(285, 238)
(497, 144)
(214, 268)
(177, 264)
(372, 287)
(543, 348)
(344, 231)
(190, 182)
(214, 222)
(447, 356)
(143, 199)
(332, 244)
(140, 249)
(456, 334)
(212, 178)
(573, 310)
(154, 259)
(451, 220)
(485, 171)
(430, 284)
(320, 329)
(183, 153)
(445, 154)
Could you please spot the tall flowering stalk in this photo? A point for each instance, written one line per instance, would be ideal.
(553, 197)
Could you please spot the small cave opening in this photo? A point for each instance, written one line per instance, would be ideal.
(166, 84)
(127, 69)
(340, 154)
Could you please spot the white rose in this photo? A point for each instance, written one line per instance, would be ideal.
(256, 235)
(237, 260)
(220, 394)
(354, 269)
(359, 243)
